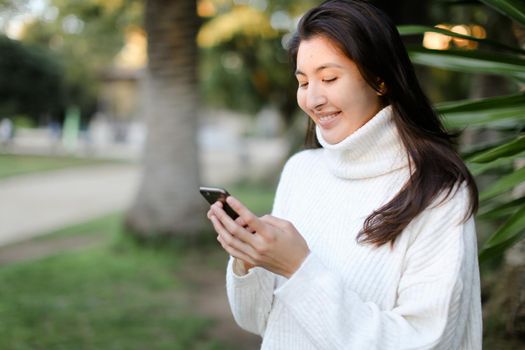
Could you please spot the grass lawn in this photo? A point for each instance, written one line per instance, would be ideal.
(12, 165)
(114, 295)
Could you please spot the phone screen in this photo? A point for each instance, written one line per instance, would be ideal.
(214, 194)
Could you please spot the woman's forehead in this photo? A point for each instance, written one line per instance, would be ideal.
(320, 52)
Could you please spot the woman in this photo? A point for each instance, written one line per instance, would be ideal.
(371, 243)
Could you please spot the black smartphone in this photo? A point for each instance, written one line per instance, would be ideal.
(214, 194)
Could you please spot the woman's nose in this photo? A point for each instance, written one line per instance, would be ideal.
(315, 98)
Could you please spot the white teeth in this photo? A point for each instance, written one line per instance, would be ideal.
(328, 117)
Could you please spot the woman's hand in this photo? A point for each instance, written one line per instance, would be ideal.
(268, 241)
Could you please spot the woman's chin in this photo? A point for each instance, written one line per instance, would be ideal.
(332, 136)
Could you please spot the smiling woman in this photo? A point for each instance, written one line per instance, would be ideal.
(325, 76)
(371, 243)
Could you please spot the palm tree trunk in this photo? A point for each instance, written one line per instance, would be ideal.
(168, 201)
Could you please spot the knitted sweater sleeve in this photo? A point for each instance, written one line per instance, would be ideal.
(251, 295)
(432, 307)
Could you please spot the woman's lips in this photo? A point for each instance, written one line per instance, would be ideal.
(329, 120)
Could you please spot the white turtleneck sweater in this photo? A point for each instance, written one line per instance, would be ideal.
(422, 293)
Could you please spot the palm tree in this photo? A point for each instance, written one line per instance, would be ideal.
(168, 202)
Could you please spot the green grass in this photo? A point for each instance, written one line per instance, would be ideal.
(13, 165)
(116, 295)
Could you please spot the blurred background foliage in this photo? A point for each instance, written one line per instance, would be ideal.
(244, 65)
(75, 42)
(29, 65)
(469, 56)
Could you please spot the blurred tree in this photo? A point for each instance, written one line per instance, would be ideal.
(85, 35)
(244, 65)
(168, 202)
(23, 66)
(9, 8)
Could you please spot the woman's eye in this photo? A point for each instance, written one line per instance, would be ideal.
(303, 85)
(329, 80)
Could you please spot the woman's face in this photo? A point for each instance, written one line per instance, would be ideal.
(332, 91)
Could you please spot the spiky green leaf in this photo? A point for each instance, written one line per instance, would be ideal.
(507, 117)
(471, 61)
(502, 210)
(509, 233)
(515, 9)
(471, 105)
(506, 150)
(504, 184)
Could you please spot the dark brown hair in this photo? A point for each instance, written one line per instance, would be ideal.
(370, 39)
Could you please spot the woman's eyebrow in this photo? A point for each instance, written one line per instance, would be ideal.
(324, 66)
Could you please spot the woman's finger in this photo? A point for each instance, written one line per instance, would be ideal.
(224, 218)
(232, 226)
(239, 238)
(239, 245)
(210, 211)
(235, 252)
(249, 218)
(229, 238)
(254, 224)
(240, 222)
(217, 225)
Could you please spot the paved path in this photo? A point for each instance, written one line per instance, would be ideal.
(38, 203)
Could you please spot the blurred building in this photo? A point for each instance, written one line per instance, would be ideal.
(119, 118)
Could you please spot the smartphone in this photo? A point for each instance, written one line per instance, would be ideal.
(214, 194)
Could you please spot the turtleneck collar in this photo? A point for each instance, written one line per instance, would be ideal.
(374, 149)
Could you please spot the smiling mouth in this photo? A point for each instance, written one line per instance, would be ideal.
(327, 120)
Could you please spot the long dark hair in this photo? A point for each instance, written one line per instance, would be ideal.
(370, 39)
